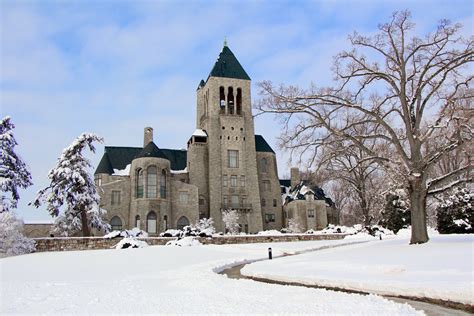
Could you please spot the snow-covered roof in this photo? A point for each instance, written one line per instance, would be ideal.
(185, 170)
(122, 172)
(199, 132)
(300, 191)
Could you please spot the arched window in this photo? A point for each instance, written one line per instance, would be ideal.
(239, 101)
(137, 221)
(151, 222)
(263, 165)
(230, 100)
(116, 223)
(151, 182)
(139, 184)
(182, 221)
(163, 184)
(222, 99)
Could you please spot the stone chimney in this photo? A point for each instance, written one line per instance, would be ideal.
(295, 176)
(147, 136)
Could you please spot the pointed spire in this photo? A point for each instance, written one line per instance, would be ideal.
(228, 66)
(225, 41)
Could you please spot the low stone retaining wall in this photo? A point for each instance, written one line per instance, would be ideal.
(87, 243)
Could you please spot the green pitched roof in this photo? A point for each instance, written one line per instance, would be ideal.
(228, 66)
(151, 150)
(119, 157)
(262, 145)
(104, 165)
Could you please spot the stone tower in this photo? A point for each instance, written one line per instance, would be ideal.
(221, 153)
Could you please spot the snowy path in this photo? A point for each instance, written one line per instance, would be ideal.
(440, 269)
(164, 279)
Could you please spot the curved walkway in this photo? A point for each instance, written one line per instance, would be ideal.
(431, 307)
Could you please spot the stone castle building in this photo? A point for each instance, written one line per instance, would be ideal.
(225, 166)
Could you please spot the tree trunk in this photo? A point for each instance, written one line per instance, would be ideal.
(85, 225)
(417, 192)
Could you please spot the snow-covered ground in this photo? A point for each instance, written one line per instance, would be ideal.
(167, 279)
(441, 268)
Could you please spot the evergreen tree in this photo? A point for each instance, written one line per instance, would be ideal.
(396, 214)
(13, 171)
(72, 196)
(456, 215)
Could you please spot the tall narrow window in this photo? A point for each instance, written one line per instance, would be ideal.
(163, 184)
(151, 222)
(115, 198)
(233, 158)
(165, 222)
(235, 201)
(224, 181)
(239, 101)
(264, 203)
(233, 181)
(230, 100)
(98, 180)
(266, 185)
(222, 99)
(242, 181)
(151, 182)
(139, 184)
(263, 165)
(226, 202)
(116, 223)
(274, 202)
(137, 221)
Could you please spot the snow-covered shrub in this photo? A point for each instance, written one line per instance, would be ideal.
(396, 213)
(171, 233)
(294, 226)
(206, 226)
(184, 242)
(12, 241)
(230, 219)
(455, 214)
(134, 232)
(13, 171)
(130, 242)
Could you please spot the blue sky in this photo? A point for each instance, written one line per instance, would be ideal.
(114, 67)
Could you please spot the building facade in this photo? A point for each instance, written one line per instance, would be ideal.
(225, 166)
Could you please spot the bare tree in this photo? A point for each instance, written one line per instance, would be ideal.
(401, 84)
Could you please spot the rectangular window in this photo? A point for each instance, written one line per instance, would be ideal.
(233, 181)
(310, 213)
(183, 197)
(233, 158)
(115, 198)
(224, 181)
(225, 201)
(235, 201)
(266, 185)
(274, 202)
(244, 202)
(242, 181)
(98, 180)
(270, 218)
(264, 203)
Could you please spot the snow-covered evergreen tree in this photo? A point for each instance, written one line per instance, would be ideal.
(396, 214)
(231, 221)
(72, 196)
(12, 241)
(455, 215)
(13, 171)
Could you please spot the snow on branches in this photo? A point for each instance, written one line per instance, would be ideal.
(12, 241)
(455, 214)
(230, 219)
(14, 173)
(72, 196)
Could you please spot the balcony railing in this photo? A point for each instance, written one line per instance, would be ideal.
(244, 208)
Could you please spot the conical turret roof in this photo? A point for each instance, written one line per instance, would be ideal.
(151, 150)
(228, 66)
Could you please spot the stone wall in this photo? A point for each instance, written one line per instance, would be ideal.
(88, 243)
